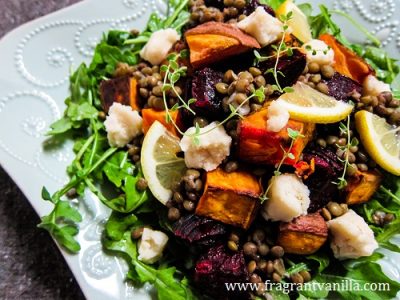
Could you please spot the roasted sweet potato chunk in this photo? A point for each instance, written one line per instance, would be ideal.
(258, 145)
(122, 90)
(231, 198)
(347, 62)
(362, 187)
(214, 41)
(304, 235)
(151, 115)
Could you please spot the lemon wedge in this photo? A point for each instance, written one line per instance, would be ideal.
(309, 105)
(380, 140)
(298, 23)
(160, 162)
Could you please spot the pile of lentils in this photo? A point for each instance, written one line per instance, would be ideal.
(229, 12)
(265, 260)
(357, 156)
(383, 105)
(236, 88)
(314, 73)
(186, 194)
(150, 82)
(334, 210)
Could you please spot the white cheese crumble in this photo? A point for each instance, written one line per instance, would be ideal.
(160, 42)
(288, 198)
(151, 245)
(262, 26)
(351, 236)
(372, 86)
(212, 147)
(278, 117)
(319, 52)
(122, 125)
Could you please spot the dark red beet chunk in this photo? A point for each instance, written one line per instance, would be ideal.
(198, 230)
(328, 168)
(290, 66)
(252, 6)
(342, 87)
(217, 267)
(208, 103)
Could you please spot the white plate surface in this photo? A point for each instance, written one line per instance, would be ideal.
(35, 63)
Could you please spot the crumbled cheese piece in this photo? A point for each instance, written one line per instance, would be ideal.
(373, 87)
(122, 125)
(212, 147)
(262, 26)
(288, 198)
(151, 245)
(160, 42)
(351, 236)
(319, 52)
(278, 117)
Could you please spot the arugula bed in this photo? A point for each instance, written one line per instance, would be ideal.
(210, 112)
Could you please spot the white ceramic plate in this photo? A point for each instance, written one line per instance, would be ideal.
(35, 64)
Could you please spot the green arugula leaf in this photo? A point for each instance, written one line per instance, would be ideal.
(386, 68)
(387, 200)
(46, 195)
(164, 279)
(63, 235)
(118, 168)
(64, 210)
(321, 258)
(61, 223)
(323, 23)
(359, 277)
(132, 197)
(117, 224)
(61, 126)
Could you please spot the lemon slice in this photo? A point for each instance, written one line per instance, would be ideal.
(309, 105)
(298, 22)
(160, 163)
(380, 140)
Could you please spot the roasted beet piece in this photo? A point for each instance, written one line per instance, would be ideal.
(328, 168)
(290, 66)
(208, 102)
(217, 267)
(198, 230)
(342, 87)
(252, 6)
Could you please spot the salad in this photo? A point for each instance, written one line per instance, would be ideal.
(237, 142)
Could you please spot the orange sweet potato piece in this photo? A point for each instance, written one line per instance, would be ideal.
(362, 187)
(304, 235)
(347, 62)
(258, 145)
(122, 90)
(231, 198)
(214, 41)
(151, 115)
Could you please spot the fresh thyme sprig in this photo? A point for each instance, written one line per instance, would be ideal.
(293, 135)
(173, 73)
(279, 50)
(351, 142)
